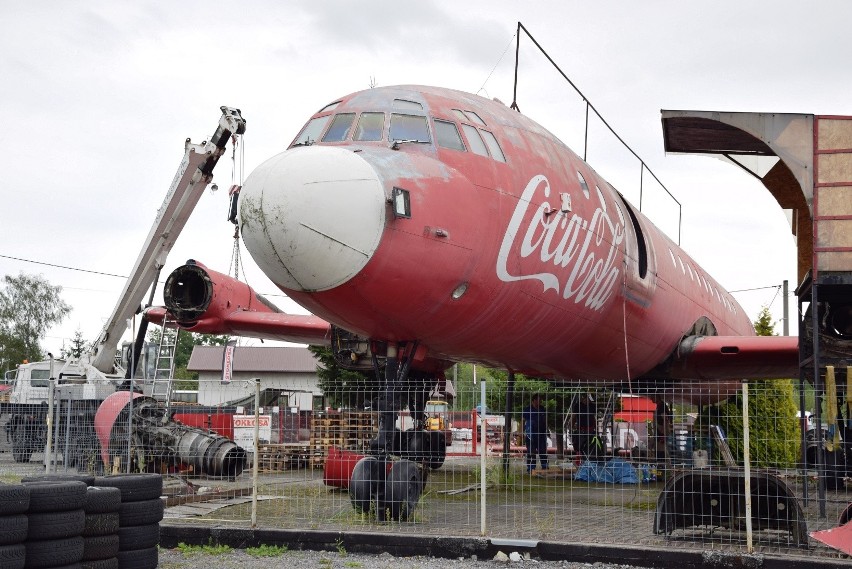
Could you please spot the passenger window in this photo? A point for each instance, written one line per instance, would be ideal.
(407, 105)
(475, 141)
(312, 131)
(493, 146)
(409, 127)
(371, 126)
(447, 135)
(583, 185)
(339, 127)
(475, 118)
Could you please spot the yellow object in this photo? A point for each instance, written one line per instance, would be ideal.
(436, 412)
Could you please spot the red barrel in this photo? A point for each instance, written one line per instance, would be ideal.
(339, 465)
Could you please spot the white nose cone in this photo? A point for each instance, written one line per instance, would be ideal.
(312, 217)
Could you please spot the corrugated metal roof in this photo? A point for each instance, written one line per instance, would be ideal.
(276, 359)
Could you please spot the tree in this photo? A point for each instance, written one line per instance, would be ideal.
(764, 326)
(342, 387)
(78, 346)
(773, 427)
(29, 306)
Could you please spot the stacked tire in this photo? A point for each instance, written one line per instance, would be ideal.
(139, 518)
(14, 503)
(56, 520)
(100, 536)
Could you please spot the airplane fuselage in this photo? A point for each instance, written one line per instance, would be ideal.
(513, 251)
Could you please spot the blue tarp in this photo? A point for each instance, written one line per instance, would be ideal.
(614, 471)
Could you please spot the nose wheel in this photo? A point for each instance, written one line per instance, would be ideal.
(367, 478)
(403, 487)
(391, 494)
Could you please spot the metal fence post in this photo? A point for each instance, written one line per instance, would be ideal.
(256, 452)
(483, 433)
(48, 452)
(747, 471)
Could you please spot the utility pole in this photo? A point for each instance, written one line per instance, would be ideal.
(785, 292)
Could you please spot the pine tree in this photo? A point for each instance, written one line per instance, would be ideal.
(78, 346)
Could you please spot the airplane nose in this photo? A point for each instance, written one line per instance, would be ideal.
(312, 217)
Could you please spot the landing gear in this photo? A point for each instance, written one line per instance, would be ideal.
(402, 489)
(428, 447)
(364, 485)
(391, 480)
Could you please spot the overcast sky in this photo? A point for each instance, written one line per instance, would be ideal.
(97, 99)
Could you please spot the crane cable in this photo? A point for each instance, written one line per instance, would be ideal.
(237, 173)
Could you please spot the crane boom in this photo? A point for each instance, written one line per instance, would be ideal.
(190, 181)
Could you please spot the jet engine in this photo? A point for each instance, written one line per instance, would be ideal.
(140, 430)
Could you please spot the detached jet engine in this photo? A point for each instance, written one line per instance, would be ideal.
(155, 439)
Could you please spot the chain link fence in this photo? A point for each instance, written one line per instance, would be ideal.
(633, 466)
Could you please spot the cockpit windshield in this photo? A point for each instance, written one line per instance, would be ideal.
(371, 126)
(310, 134)
(410, 128)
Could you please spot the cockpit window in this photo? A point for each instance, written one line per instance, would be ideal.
(312, 131)
(371, 126)
(409, 127)
(460, 115)
(475, 118)
(493, 146)
(402, 104)
(448, 135)
(339, 127)
(475, 141)
(330, 107)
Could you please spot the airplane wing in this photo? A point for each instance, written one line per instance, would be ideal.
(301, 329)
(735, 357)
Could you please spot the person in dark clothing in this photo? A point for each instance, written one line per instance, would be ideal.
(535, 431)
(584, 425)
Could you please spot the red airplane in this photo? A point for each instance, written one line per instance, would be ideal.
(435, 226)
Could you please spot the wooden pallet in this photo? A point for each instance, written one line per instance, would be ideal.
(278, 457)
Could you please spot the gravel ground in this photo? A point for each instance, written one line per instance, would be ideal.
(239, 559)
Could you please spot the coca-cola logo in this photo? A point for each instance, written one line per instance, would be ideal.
(578, 256)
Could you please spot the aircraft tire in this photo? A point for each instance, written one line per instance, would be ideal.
(402, 490)
(364, 484)
(438, 450)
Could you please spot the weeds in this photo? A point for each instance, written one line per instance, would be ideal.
(209, 549)
(264, 550)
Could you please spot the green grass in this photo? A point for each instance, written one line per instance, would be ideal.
(264, 550)
(209, 549)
